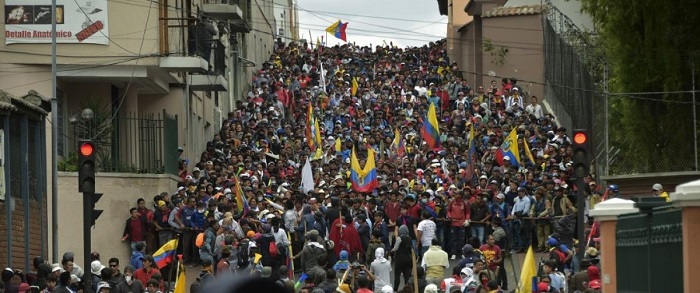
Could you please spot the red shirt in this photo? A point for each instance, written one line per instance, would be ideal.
(392, 210)
(490, 254)
(144, 276)
(136, 231)
(414, 211)
(458, 212)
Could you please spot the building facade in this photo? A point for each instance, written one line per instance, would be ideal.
(158, 75)
(23, 188)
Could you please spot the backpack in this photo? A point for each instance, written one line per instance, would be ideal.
(273, 250)
(560, 256)
(242, 254)
(199, 241)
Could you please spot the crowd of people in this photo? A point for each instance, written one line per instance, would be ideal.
(242, 208)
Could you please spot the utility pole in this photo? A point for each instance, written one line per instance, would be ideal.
(607, 122)
(54, 140)
(695, 120)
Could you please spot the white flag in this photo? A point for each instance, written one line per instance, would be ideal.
(307, 177)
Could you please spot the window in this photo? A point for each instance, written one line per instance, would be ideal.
(16, 154)
(34, 159)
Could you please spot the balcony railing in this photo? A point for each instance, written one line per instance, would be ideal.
(136, 143)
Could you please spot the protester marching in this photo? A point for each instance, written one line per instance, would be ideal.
(363, 169)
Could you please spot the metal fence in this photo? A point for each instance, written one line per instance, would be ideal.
(573, 81)
(646, 242)
(134, 143)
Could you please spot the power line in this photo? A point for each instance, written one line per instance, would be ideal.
(131, 78)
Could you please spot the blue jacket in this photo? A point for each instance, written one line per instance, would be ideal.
(187, 216)
(136, 260)
(199, 220)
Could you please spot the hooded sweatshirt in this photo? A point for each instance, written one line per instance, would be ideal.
(381, 268)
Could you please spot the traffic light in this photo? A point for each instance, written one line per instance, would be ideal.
(86, 166)
(95, 213)
(581, 154)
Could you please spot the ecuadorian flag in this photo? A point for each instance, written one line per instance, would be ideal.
(337, 29)
(165, 254)
(310, 129)
(363, 179)
(431, 130)
(509, 149)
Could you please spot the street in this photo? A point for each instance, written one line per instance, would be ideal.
(192, 273)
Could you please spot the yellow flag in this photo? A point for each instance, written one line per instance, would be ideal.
(338, 145)
(181, 283)
(355, 86)
(528, 272)
(527, 151)
(318, 42)
(257, 258)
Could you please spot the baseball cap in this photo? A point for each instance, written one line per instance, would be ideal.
(595, 284)
(657, 187)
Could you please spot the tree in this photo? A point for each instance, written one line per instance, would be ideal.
(651, 47)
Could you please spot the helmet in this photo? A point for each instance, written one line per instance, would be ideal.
(613, 187)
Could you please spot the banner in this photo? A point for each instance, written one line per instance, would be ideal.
(77, 21)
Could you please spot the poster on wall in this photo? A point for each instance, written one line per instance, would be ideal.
(77, 21)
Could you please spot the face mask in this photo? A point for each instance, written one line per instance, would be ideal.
(424, 200)
(260, 198)
(201, 211)
(128, 279)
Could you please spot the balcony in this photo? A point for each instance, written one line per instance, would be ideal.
(184, 63)
(208, 82)
(223, 9)
(214, 79)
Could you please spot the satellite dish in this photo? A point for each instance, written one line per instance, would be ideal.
(492, 73)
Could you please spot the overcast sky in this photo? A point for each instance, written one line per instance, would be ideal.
(405, 23)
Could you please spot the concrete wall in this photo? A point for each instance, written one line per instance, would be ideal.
(524, 39)
(120, 194)
(456, 18)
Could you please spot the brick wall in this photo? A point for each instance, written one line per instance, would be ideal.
(37, 218)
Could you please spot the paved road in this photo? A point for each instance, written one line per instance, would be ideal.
(192, 273)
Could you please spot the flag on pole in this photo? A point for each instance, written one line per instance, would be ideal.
(181, 281)
(319, 46)
(363, 179)
(307, 177)
(338, 145)
(527, 151)
(469, 172)
(355, 86)
(241, 201)
(165, 254)
(509, 149)
(431, 130)
(528, 274)
(337, 29)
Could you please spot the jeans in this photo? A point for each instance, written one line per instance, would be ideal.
(478, 232)
(518, 235)
(164, 236)
(440, 234)
(457, 234)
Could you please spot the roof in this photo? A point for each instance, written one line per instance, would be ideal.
(32, 101)
(515, 11)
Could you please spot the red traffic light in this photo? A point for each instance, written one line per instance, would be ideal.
(580, 138)
(87, 149)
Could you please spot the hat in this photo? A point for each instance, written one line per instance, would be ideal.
(657, 187)
(387, 289)
(24, 287)
(161, 203)
(594, 284)
(283, 270)
(188, 177)
(182, 187)
(500, 196)
(250, 234)
(592, 252)
(542, 287)
(96, 267)
(266, 272)
(101, 285)
(430, 288)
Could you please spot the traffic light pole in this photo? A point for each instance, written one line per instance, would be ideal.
(580, 217)
(87, 237)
